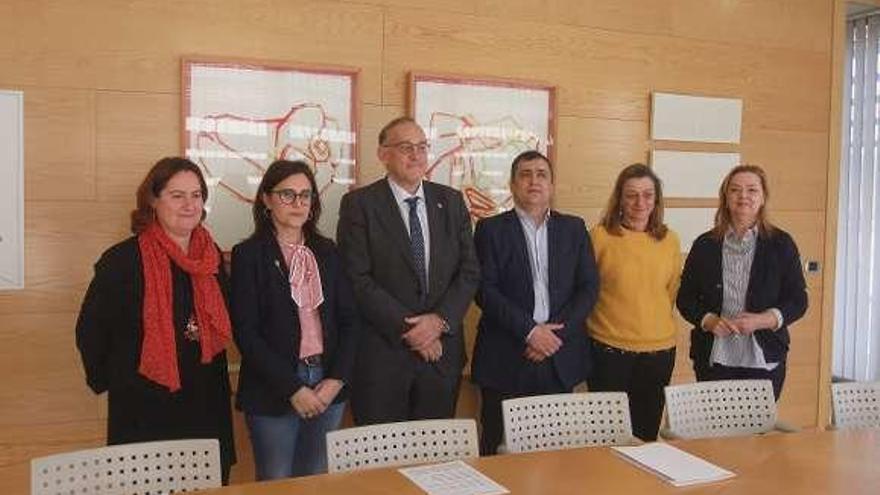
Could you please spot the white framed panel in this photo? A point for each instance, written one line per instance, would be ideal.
(692, 174)
(11, 190)
(689, 223)
(695, 118)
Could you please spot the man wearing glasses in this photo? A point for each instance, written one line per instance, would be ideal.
(411, 259)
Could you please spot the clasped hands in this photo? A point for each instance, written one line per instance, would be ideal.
(423, 336)
(310, 402)
(742, 324)
(543, 341)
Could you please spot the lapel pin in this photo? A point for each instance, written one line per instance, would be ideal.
(439, 205)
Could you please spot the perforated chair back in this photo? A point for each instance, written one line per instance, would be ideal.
(401, 444)
(720, 408)
(856, 404)
(130, 469)
(564, 421)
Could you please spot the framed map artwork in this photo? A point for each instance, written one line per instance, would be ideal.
(476, 128)
(240, 116)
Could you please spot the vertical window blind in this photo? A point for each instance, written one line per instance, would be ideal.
(856, 346)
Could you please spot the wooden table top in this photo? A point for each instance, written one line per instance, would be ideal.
(845, 462)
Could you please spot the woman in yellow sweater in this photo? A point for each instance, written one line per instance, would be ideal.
(632, 324)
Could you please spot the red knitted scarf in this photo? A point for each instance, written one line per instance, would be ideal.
(159, 351)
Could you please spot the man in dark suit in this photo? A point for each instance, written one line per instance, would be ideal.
(539, 283)
(410, 255)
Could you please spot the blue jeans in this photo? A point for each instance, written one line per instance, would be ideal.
(287, 446)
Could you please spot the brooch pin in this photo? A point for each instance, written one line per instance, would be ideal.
(191, 332)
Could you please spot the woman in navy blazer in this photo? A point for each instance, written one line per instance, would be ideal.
(295, 324)
(742, 286)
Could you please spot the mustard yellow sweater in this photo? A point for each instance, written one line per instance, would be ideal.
(638, 282)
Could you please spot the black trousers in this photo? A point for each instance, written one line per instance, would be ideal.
(423, 392)
(721, 372)
(537, 379)
(642, 375)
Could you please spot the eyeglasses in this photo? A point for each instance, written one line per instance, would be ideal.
(288, 196)
(408, 148)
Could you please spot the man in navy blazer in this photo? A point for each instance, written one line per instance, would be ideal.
(410, 256)
(539, 283)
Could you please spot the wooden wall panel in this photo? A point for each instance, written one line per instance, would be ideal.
(589, 155)
(62, 242)
(61, 157)
(805, 333)
(49, 384)
(795, 163)
(615, 71)
(795, 24)
(431, 6)
(135, 46)
(798, 24)
(134, 131)
(797, 405)
(373, 118)
(102, 87)
(622, 15)
(808, 229)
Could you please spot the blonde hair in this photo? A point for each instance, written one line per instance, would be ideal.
(723, 220)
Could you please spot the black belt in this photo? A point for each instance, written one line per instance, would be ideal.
(311, 361)
(616, 350)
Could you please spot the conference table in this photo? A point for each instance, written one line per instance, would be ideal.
(823, 462)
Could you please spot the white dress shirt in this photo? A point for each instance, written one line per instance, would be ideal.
(536, 240)
(400, 196)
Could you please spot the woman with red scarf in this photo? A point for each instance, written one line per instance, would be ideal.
(153, 325)
(295, 324)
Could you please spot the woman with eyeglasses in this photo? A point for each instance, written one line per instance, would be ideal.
(295, 324)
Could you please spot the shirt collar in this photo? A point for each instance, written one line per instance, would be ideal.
(525, 217)
(401, 194)
(750, 234)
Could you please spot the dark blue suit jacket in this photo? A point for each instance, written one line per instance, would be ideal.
(507, 298)
(266, 323)
(776, 280)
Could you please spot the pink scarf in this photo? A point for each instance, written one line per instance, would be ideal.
(305, 279)
(307, 293)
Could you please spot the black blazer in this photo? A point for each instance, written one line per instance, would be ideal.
(507, 298)
(266, 323)
(776, 281)
(109, 329)
(374, 240)
(109, 335)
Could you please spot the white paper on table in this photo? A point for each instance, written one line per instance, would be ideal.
(673, 465)
(452, 478)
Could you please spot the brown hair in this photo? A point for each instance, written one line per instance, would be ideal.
(723, 220)
(611, 219)
(383, 134)
(153, 184)
(277, 172)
